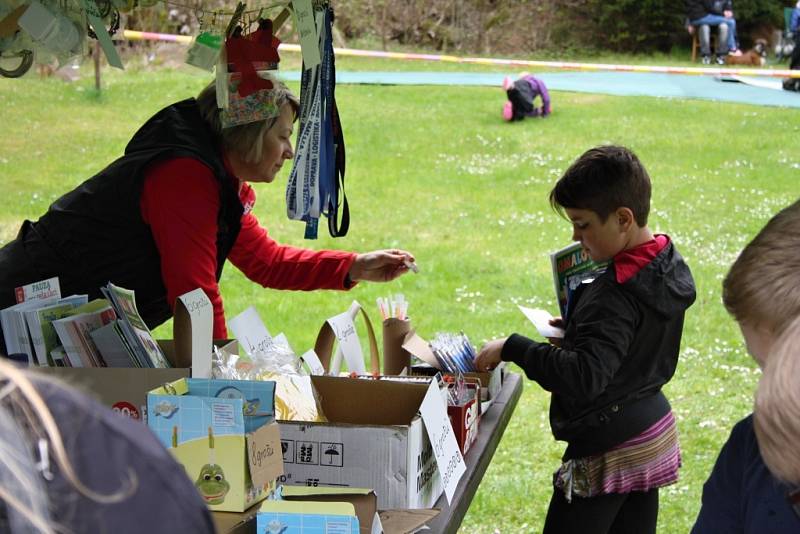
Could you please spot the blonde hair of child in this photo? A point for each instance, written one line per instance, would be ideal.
(762, 288)
(17, 389)
(777, 406)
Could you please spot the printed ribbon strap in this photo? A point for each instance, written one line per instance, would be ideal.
(302, 188)
(335, 228)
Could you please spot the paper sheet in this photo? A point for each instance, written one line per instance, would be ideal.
(541, 320)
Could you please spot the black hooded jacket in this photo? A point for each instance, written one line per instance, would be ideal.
(95, 234)
(620, 347)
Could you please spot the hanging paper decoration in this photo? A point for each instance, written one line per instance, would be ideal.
(317, 176)
(205, 51)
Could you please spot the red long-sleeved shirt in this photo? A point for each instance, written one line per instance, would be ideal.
(180, 201)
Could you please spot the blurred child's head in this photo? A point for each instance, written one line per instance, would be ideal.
(777, 406)
(762, 287)
(606, 195)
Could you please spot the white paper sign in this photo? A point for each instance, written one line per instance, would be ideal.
(201, 325)
(307, 31)
(312, 361)
(345, 331)
(541, 320)
(251, 332)
(440, 432)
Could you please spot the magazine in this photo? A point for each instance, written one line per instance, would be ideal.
(74, 332)
(571, 267)
(133, 328)
(43, 334)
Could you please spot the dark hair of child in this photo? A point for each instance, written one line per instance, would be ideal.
(602, 180)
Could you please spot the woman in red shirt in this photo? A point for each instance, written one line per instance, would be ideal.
(163, 219)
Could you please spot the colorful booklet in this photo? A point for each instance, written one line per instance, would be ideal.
(571, 267)
(133, 328)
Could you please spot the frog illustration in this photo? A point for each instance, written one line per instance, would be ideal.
(212, 484)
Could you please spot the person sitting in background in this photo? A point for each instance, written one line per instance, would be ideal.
(68, 464)
(762, 292)
(719, 13)
(164, 218)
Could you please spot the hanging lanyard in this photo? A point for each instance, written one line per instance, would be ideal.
(317, 176)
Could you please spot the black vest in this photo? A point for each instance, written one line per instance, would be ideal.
(95, 234)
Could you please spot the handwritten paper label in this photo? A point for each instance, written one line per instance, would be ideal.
(443, 440)
(43, 289)
(194, 319)
(312, 361)
(345, 331)
(307, 31)
(251, 332)
(264, 455)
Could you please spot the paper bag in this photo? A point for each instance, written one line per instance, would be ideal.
(395, 357)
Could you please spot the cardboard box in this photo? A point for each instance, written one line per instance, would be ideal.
(288, 517)
(125, 389)
(363, 500)
(465, 418)
(224, 434)
(236, 522)
(374, 439)
(491, 382)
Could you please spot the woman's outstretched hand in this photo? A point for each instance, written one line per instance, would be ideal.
(381, 265)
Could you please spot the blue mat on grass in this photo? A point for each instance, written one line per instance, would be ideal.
(611, 83)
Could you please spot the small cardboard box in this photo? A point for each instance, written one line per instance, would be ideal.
(363, 500)
(224, 434)
(491, 382)
(125, 389)
(465, 418)
(374, 438)
(290, 517)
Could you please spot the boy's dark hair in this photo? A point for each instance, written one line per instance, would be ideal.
(602, 180)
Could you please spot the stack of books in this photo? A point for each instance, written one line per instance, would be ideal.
(57, 331)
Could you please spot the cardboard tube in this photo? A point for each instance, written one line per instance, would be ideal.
(395, 357)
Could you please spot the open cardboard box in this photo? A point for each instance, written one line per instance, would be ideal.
(392, 521)
(364, 501)
(189, 352)
(224, 434)
(491, 382)
(374, 438)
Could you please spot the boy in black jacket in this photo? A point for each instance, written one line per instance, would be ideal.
(620, 346)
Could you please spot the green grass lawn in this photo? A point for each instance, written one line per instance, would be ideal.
(436, 171)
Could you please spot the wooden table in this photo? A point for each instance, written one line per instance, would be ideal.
(493, 424)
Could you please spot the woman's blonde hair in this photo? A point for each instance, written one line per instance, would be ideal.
(777, 406)
(762, 287)
(246, 140)
(26, 422)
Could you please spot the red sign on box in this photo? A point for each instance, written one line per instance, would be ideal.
(465, 419)
(126, 409)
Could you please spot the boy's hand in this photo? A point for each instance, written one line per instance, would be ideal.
(489, 356)
(557, 322)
